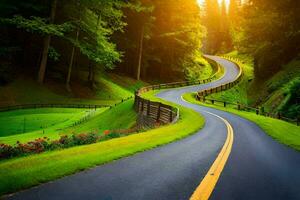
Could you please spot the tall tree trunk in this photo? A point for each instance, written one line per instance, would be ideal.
(138, 75)
(91, 77)
(71, 62)
(47, 40)
(90, 71)
(73, 52)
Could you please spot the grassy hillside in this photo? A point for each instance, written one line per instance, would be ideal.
(279, 93)
(239, 92)
(30, 124)
(276, 94)
(198, 68)
(110, 88)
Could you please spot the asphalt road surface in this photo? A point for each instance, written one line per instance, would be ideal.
(258, 167)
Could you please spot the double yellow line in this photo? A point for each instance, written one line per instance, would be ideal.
(206, 187)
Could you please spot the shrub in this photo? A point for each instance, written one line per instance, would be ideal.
(7, 151)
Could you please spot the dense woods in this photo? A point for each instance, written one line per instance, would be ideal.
(53, 38)
(153, 40)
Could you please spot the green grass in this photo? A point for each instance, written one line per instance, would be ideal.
(25, 172)
(45, 122)
(52, 122)
(23, 121)
(122, 116)
(281, 131)
(239, 92)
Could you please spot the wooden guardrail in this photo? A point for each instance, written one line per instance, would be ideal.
(201, 96)
(156, 112)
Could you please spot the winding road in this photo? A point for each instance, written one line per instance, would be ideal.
(257, 168)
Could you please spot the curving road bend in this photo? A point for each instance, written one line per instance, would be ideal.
(258, 167)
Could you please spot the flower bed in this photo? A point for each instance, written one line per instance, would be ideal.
(44, 144)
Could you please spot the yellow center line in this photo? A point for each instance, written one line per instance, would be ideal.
(207, 185)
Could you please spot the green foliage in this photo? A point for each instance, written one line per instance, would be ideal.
(291, 107)
(37, 25)
(53, 54)
(271, 34)
(196, 67)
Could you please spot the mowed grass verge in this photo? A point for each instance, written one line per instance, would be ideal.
(21, 173)
(283, 132)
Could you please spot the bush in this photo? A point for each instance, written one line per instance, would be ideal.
(7, 151)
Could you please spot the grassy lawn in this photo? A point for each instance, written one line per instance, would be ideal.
(25, 172)
(281, 131)
(29, 120)
(45, 122)
(59, 122)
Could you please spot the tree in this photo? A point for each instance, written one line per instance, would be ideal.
(225, 29)
(212, 22)
(95, 22)
(47, 40)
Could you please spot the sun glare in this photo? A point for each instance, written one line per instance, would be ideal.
(201, 2)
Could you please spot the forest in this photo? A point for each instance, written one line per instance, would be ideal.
(87, 82)
(76, 41)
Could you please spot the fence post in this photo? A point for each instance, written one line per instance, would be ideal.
(158, 112)
(262, 110)
(257, 111)
(239, 106)
(142, 110)
(224, 104)
(148, 108)
(213, 101)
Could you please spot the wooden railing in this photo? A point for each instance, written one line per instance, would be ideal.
(157, 112)
(202, 96)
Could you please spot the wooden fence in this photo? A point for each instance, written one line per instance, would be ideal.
(160, 113)
(35, 106)
(54, 105)
(201, 96)
(156, 112)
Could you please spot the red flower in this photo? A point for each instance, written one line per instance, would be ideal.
(106, 132)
